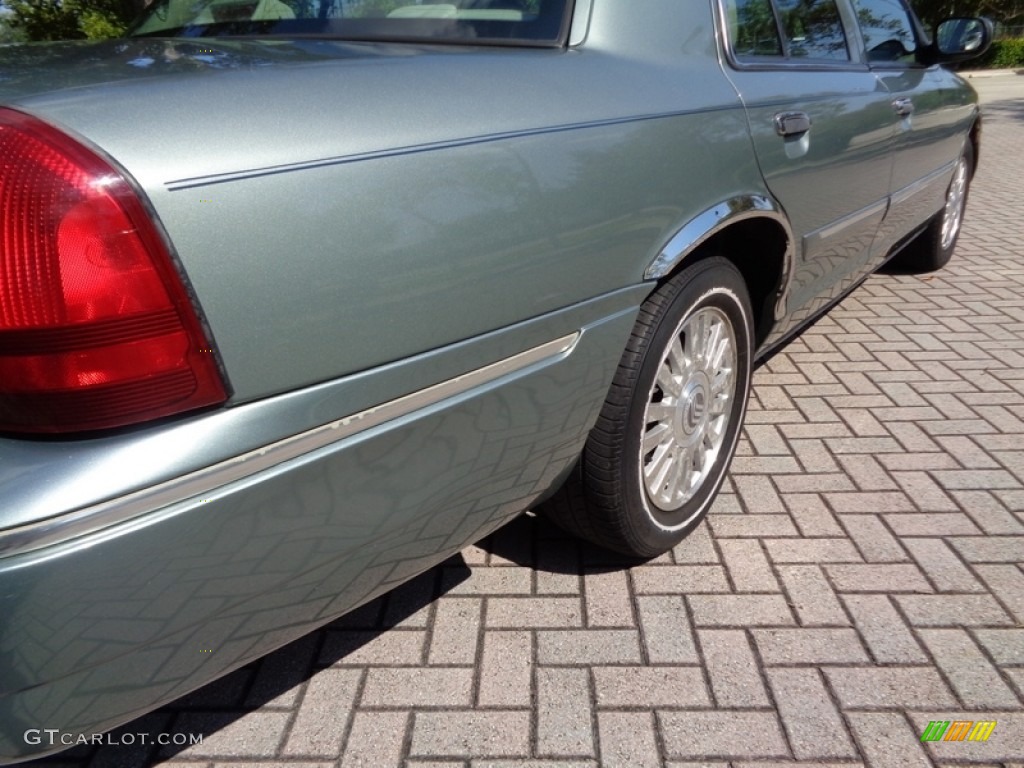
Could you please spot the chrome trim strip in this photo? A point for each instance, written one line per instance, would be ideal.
(901, 196)
(703, 226)
(82, 522)
(712, 221)
(878, 208)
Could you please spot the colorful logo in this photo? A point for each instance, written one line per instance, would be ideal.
(958, 730)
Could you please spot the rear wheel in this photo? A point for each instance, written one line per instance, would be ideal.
(932, 249)
(668, 429)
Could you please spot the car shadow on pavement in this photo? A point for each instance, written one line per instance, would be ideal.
(1012, 109)
(273, 683)
(532, 541)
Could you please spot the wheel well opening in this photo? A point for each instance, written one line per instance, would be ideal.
(757, 248)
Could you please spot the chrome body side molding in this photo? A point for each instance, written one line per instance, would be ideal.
(937, 179)
(208, 481)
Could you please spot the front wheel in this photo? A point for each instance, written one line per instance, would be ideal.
(932, 249)
(668, 429)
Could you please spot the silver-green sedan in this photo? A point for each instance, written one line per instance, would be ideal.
(299, 297)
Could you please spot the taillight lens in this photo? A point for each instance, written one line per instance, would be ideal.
(96, 327)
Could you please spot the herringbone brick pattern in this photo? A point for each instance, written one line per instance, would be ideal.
(860, 576)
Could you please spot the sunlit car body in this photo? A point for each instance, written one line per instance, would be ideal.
(412, 266)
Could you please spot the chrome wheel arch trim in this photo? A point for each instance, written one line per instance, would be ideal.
(210, 481)
(716, 219)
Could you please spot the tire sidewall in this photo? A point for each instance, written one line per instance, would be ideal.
(943, 255)
(925, 252)
(716, 283)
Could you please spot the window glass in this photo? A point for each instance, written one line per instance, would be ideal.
(888, 33)
(813, 29)
(753, 28)
(529, 22)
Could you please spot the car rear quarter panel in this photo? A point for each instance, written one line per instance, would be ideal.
(99, 629)
(337, 215)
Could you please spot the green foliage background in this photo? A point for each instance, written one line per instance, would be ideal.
(69, 19)
(1005, 54)
(1003, 11)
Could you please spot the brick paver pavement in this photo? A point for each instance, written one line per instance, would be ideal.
(860, 577)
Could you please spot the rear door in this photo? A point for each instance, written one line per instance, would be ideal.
(823, 128)
(932, 111)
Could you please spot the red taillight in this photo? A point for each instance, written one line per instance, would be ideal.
(96, 328)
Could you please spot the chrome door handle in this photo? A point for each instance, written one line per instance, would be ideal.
(903, 107)
(792, 123)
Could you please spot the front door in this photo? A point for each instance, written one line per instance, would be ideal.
(932, 113)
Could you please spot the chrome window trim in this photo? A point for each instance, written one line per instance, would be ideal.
(855, 62)
(765, 64)
(95, 518)
(580, 26)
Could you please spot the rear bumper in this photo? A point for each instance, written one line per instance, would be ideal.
(105, 624)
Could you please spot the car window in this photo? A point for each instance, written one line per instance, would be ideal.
(813, 29)
(531, 22)
(887, 31)
(753, 28)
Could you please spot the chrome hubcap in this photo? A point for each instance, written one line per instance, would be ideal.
(688, 408)
(953, 214)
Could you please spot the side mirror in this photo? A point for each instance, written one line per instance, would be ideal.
(960, 39)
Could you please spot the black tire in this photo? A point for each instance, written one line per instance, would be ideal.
(626, 497)
(932, 249)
